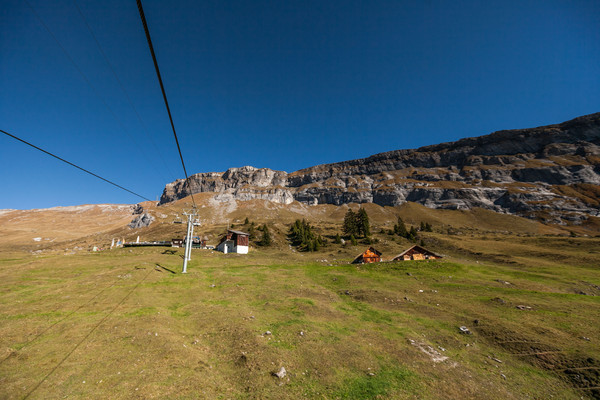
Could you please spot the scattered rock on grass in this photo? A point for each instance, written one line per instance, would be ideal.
(280, 374)
(465, 330)
(522, 307)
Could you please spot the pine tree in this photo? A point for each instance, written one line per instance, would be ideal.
(321, 241)
(353, 240)
(350, 228)
(412, 235)
(246, 221)
(362, 223)
(266, 237)
(316, 245)
(301, 235)
(251, 232)
(338, 238)
(422, 227)
(428, 227)
(400, 228)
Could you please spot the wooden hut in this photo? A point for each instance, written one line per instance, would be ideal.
(368, 256)
(416, 253)
(234, 242)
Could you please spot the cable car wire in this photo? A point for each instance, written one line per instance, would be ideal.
(162, 88)
(74, 165)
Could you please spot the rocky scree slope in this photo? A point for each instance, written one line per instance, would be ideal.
(550, 173)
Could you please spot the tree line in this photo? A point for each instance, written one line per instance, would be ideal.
(302, 236)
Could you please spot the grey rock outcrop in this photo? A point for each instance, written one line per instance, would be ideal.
(550, 172)
(141, 221)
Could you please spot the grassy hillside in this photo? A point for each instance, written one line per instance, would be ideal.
(120, 324)
(124, 323)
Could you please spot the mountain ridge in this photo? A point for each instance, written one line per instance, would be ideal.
(549, 172)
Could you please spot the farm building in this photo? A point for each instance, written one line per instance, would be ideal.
(176, 242)
(368, 256)
(416, 253)
(234, 242)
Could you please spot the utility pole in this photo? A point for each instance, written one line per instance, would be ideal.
(191, 221)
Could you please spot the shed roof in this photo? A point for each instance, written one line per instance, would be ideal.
(418, 248)
(238, 232)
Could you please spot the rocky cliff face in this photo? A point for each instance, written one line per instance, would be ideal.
(550, 172)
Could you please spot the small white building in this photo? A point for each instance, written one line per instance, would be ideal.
(234, 242)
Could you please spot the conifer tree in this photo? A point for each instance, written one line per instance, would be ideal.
(266, 237)
(321, 241)
(353, 240)
(400, 228)
(338, 238)
(350, 227)
(362, 222)
(316, 245)
(412, 235)
(302, 236)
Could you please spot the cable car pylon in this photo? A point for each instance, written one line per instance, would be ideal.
(192, 220)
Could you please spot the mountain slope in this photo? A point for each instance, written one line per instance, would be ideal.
(550, 172)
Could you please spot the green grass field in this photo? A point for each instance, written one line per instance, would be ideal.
(120, 324)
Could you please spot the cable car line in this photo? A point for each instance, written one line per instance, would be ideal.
(162, 88)
(74, 165)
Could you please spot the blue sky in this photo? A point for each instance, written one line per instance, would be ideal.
(278, 84)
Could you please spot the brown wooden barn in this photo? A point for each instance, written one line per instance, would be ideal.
(416, 253)
(368, 256)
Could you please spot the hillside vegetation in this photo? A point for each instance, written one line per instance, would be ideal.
(125, 323)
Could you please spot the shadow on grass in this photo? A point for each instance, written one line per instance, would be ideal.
(166, 269)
